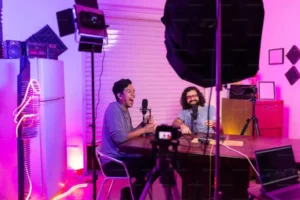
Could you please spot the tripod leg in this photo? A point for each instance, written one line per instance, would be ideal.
(150, 180)
(168, 181)
(256, 126)
(171, 193)
(245, 126)
(175, 191)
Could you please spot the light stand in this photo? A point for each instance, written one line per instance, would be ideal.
(93, 46)
(93, 125)
(217, 192)
(89, 27)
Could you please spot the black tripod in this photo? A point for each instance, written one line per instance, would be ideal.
(163, 169)
(253, 118)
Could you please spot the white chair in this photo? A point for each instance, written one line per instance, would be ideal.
(113, 178)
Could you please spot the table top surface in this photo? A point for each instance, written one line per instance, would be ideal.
(250, 145)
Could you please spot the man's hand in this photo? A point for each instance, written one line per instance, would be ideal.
(149, 128)
(185, 129)
(210, 123)
(149, 120)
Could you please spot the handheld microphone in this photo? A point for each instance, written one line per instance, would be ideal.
(144, 108)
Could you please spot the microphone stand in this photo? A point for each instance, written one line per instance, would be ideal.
(144, 117)
(193, 119)
(217, 192)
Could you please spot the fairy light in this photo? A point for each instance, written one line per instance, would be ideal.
(33, 84)
(70, 191)
(28, 98)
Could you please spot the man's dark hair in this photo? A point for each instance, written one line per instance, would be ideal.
(119, 87)
(184, 102)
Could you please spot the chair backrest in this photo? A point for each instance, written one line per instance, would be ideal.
(98, 156)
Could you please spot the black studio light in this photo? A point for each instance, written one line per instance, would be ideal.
(213, 42)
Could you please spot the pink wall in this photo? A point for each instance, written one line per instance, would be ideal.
(281, 30)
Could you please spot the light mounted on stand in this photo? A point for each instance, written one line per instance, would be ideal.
(214, 42)
(87, 23)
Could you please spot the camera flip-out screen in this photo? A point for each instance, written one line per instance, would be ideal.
(165, 132)
(164, 135)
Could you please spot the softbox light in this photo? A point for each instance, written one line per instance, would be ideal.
(190, 29)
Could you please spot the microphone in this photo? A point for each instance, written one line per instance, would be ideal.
(194, 111)
(144, 108)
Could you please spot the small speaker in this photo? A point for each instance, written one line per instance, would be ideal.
(12, 49)
(35, 50)
(52, 51)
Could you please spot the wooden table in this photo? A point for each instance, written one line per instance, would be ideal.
(195, 166)
(251, 144)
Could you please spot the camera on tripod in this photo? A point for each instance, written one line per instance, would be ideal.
(165, 136)
(167, 133)
(250, 90)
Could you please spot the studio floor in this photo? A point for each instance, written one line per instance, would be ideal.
(86, 193)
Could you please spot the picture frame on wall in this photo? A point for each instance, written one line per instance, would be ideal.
(266, 90)
(276, 56)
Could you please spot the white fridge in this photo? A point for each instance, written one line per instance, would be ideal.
(48, 153)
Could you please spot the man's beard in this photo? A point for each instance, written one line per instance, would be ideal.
(190, 105)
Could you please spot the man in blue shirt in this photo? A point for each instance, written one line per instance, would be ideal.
(117, 129)
(190, 97)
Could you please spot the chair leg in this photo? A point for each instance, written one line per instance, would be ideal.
(110, 187)
(102, 185)
(131, 191)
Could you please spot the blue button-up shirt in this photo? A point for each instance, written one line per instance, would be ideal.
(116, 126)
(199, 124)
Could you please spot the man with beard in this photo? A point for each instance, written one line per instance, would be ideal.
(192, 97)
(117, 129)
